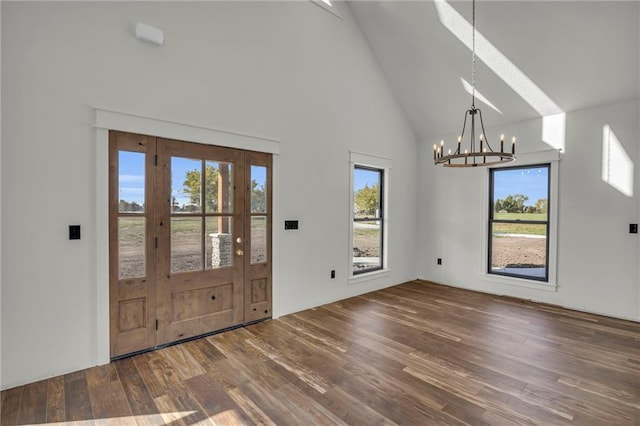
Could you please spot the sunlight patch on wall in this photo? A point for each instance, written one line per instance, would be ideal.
(554, 130)
(469, 89)
(617, 167)
(508, 72)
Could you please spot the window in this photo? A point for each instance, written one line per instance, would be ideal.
(368, 220)
(519, 225)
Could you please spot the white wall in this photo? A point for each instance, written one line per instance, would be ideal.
(597, 257)
(288, 71)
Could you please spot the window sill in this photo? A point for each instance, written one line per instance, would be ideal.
(368, 276)
(519, 282)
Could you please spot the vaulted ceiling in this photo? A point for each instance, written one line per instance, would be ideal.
(540, 57)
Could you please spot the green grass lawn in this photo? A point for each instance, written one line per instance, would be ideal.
(520, 216)
(133, 227)
(520, 228)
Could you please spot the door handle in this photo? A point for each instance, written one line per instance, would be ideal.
(239, 252)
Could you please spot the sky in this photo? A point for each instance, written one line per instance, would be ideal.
(362, 177)
(131, 179)
(531, 182)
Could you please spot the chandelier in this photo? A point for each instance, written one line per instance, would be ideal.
(480, 154)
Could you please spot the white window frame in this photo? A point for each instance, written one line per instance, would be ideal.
(384, 164)
(552, 158)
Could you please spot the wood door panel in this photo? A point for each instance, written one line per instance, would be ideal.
(132, 314)
(189, 304)
(220, 290)
(132, 301)
(257, 290)
(185, 304)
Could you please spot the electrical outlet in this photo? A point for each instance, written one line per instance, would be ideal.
(290, 224)
(439, 261)
(633, 228)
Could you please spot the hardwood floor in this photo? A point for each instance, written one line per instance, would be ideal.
(417, 354)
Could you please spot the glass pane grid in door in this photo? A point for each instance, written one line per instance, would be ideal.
(218, 242)
(131, 190)
(131, 247)
(258, 214)
(186, 244)
(131, 215)
(258, 239)
(201, 240)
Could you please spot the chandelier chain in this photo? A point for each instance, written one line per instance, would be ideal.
(485, 154)
(473, 54)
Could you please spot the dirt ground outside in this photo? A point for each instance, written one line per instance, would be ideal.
(518, 252)
(186, 249)
(507, 251)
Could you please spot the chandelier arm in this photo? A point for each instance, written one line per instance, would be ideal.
(486, 139)
(464, 124)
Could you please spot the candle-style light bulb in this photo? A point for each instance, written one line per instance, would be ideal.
(502, 143)
(513, 145)
(435, 150)
(449, 151)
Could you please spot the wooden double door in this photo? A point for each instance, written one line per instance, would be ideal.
(190, 240)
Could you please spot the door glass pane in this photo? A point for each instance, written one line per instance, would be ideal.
(186, 185)
(258, 239)
(131, 247)
(186, 244)
(367, 243)
(219, 187)
(519, 249)
(131, 182)
(258, 189)
(218, 242)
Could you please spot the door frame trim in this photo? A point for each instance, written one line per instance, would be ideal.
(106, 120)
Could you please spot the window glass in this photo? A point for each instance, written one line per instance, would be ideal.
(131, 182)
(519, 222)
(368, 219)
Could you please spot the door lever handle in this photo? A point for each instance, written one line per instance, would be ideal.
(239, 252)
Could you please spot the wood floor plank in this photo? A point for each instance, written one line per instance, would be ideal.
(55, 400)
(11, 406)
(76, 396)
(417, 353)
(108, 398)
(215, 401)
(33, 408)
(183, 363)
(250, 409)
(136, 391)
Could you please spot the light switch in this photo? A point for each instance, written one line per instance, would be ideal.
(74, 232)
